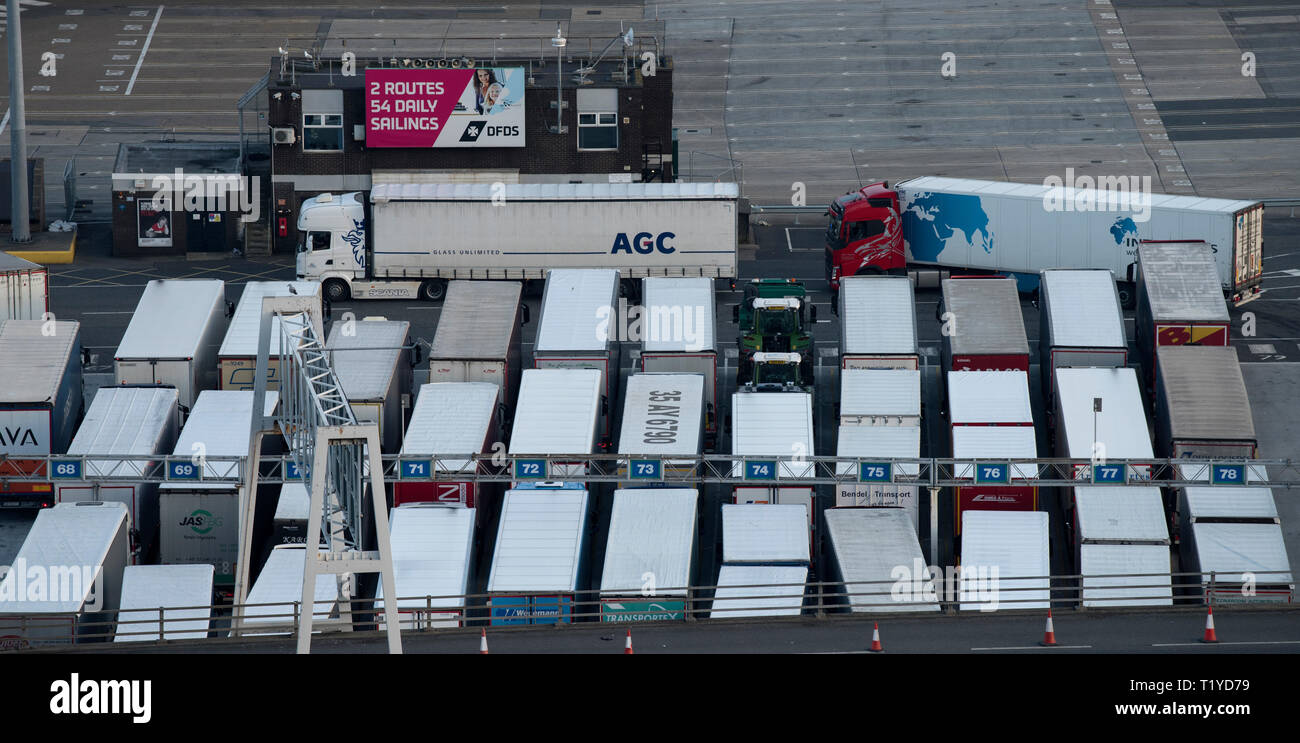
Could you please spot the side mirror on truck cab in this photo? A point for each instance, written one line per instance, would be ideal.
(735, 313)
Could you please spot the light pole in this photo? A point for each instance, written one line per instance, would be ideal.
(559, 42)
(20, 213)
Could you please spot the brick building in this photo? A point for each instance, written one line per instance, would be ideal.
(616, 125)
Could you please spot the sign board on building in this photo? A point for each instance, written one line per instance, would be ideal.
(155, 225)
(481, 107)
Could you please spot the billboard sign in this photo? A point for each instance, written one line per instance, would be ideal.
(482, 107)
(155, 225)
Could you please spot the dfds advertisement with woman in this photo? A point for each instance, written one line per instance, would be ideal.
(481, 107)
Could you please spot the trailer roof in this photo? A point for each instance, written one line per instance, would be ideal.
(170, 319)
(365, 374)
(880, 392)
(1228, 550)
(1120, 514)
(995, 442)
(869, 544)
(146, 587)
(1206, 393)
(11, 262)
(1181, 283)
(126, 420)
(877, 315)
(280, 585)
(1122, 424)
(651, 530)
(539, 541)
(886, 442)
(556, 412)
(1016, 543)
(762, 533)
(241, 336)
(1221, 502)
(31, 362)
(758, 591)
(644, 401)
(578, 310)
(775, 424)
(219, 424)
(451, 418)
(1117, 586)
(381, 192)
(1082, 309)
(433, 554)
(1039, 191)
(477, 320)
(989, 397)
(67, 535)
(678, 315)
(987, 315)
(293, 503)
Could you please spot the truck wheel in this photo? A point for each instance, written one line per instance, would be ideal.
(1127, 296)
(336, 290)
(433, 290)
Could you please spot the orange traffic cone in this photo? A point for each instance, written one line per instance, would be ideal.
(1209, 626)
(482, 643)
(627, 646)
(875, 638)
(1049, 636)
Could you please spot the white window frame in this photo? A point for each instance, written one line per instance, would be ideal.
(322, 109)
(598, 124)
(323, 118)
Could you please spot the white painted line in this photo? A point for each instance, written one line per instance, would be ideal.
(144, 50)
(4, 122)
(1035, 647)
(1243, 642)
(789, 246)
(1283, 255)
(108, 312)
(422, 307)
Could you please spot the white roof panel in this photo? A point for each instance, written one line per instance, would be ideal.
(556, 412)
(1121, 514)
(1181, 282)
(241, 336)
(1115, 564)
(69, 534)
(758, 591)
(877, 315)
(880, 392)
(1228, 550)
(1205, 393)
(675, 402)
(31, 362)
(553, 191)
(477, 320)
(989, 397)
(987, 314)
(147, 588)
(1083, 309)
(764, 533)
(995, 442)
(869, 544)
(678, 315)
(293, 503)
(280, 586)
(1121, 425)
(1038, 191)
(366, 373)
(433, 552)
(886, 442)
(578, 310)
(126, 420)
(170, 319)
(1016, 544)
(219, 424)
(451, 418)
(1222, 502)
(777, 424)
(651, 530)
(539, 541)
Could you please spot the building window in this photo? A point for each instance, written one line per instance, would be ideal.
(598, 119)
(322, 120)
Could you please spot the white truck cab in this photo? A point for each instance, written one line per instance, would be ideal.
(332, 250)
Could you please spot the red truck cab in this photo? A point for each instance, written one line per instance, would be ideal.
(865, 234)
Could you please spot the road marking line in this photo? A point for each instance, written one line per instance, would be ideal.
(1242, 642)
(144, 50)
(1035, 647)
(111, 312)
(789, 246)
(5, 122)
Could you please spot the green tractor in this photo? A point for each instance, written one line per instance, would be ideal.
(777, 372)
(775, 317)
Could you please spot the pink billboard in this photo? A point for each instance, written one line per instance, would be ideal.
(481, 107)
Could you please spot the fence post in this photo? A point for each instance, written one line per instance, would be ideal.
(1210, 595)
(162, 626)
(296, 613)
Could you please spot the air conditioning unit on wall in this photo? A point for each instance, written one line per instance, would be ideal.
(283, 135)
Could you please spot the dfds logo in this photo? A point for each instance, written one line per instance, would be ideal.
(644, 243)
(502, 131)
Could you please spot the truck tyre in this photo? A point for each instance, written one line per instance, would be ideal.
(433, 290)
(336, 290)
(1127, 295)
